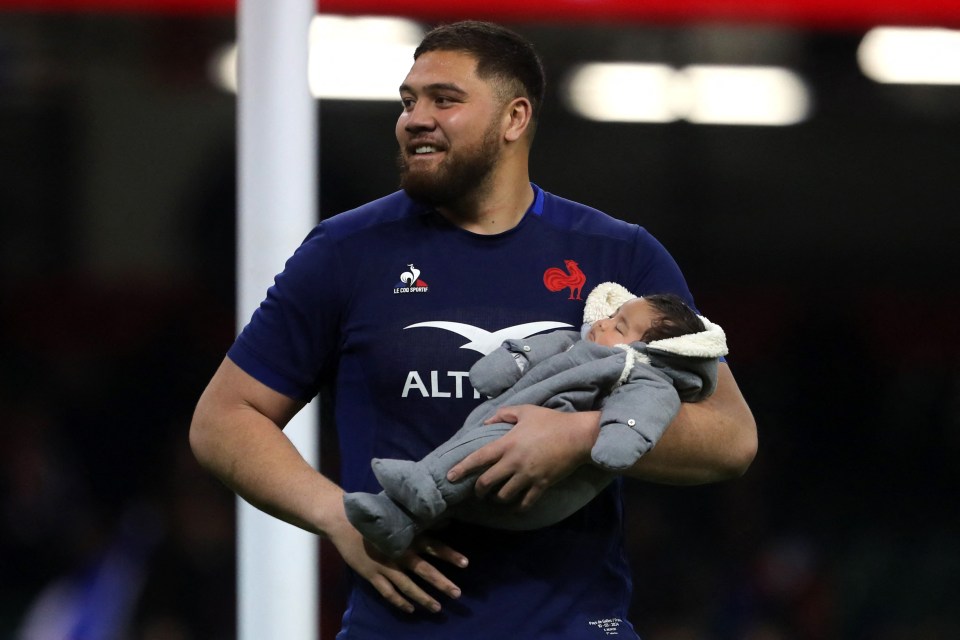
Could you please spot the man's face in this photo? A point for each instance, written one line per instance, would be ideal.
(449, 131)
(627, 325)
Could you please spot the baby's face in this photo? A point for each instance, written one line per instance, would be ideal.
(627, 325)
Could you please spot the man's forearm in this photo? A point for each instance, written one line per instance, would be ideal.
(260, 464)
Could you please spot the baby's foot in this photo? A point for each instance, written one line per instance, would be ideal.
(411, 485)
(380, 521)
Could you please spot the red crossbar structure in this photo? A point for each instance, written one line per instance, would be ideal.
(810, 13)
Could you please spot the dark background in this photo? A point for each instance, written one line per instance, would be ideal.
(827, 250)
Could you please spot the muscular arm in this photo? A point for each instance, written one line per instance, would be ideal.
(236, 434)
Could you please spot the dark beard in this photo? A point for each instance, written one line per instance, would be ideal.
(454, 179)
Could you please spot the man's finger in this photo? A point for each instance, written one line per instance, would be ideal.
(386, 589)
(512, 489)
(442, 552)
(530, 498)
(492, 479)
(504, 414)
(432, 576)
(476, 461)
(412, 590)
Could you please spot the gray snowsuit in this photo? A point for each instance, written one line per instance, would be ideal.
(638, 389)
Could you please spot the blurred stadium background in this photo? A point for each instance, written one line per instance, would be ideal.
(822, 236)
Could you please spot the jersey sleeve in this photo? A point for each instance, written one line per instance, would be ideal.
(290, 343)
(653, 269)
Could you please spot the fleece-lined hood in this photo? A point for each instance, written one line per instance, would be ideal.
(691, 360)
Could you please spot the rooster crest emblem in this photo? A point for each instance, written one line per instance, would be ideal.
(410, 278)
(410, 282)
(573, 278)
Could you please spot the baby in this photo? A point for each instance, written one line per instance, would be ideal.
(635, 360)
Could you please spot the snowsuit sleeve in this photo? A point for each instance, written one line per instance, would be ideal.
(493, 374)
(638, 411)
(634, 416)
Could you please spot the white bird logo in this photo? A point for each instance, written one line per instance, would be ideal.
(483, 341)
(410, 277)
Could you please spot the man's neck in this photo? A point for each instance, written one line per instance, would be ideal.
(493, 210)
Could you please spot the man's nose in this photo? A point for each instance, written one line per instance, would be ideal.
(420, 118)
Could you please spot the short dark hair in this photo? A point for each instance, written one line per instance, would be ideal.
(675, 318)
(499, 52)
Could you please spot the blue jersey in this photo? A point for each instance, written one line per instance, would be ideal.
(388, 306)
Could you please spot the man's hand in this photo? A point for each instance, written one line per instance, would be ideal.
(392, 577)
(543, 448)
(236, 434)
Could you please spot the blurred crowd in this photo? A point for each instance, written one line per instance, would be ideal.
(109, 528)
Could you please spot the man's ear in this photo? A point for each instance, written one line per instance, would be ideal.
(517, 114)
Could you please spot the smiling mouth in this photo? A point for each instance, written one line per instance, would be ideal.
(420, 148)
